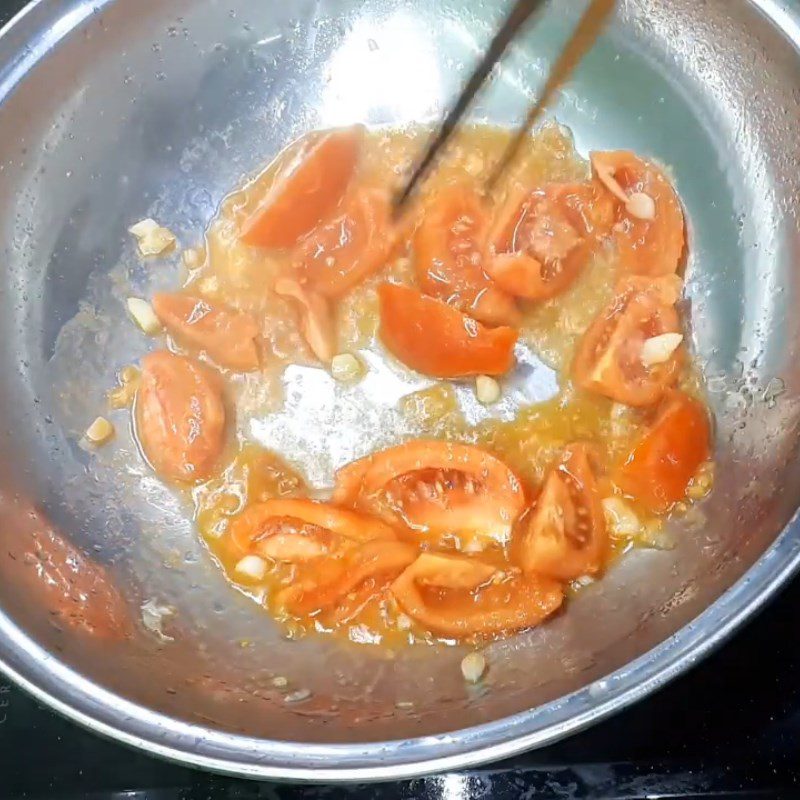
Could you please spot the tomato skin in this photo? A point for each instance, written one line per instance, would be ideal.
(542, 239)
(646, 247)
(307, 193)
(659, 467)
(378, 561)
(608, 358)
(180, 416)
(436, 339)
(347, 249)
(227, 335)
(565, 536)
(323, 522)
(478, 493)
(446, 605)
(450, 256)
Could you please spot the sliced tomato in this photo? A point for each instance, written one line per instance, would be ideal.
(609, 356)
(180, 416)
(565, 536)
(434, 591)
(450, 256)
(298, 529)
(542, 239)
(658, 469)
(308, 192)
(316, 321)
(227, 335)
(341, 253)
(646, 246)
(329, 580)
(437, 487)
(437, 339)
(586, 205)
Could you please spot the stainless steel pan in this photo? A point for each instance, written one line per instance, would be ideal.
(112, 110)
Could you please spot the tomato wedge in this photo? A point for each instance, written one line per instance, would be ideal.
(437, 487)
(450, 256)
(341, 253)
(565, 536)
(438, 340)
(647, 246)
(316, 321)
(658, 469)
(586, 205)
(227, 335)
(298, 530)
(308, 192)
(456, 596)
(180, 416)
(371, 565)
(609, 359)
(543, 239)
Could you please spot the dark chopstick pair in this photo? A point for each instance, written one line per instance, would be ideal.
(580, 42)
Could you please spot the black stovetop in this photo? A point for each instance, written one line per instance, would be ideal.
(729, 727)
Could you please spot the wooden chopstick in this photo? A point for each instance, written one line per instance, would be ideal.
(583, 37)
(520, 13)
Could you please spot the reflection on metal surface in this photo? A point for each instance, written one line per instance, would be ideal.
(385, 69)
(123, 120)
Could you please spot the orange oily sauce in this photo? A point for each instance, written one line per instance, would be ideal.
(530, 442)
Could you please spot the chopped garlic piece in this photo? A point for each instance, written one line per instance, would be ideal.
(487, 390)
(252, 567)
(346, 367)
(143, 315)
(192, 258)
(620, 517)
(153, 615)
(152, 238)
(658, 349)
(100, 431)
(473, 665)
(641, 206)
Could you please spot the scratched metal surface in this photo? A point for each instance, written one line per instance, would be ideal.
(116, 110)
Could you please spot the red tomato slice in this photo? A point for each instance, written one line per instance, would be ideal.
(437, 339)
(298, 530)
(586, 206)
(306, 194)
(437, 487)
(433, 592)
(646, 246)
(658, 469)
(565, 536)
(330, 580)
(180, 416)
(227, 335)
(340, 254)
(609, 357)
(450, 256)
(543, 239)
